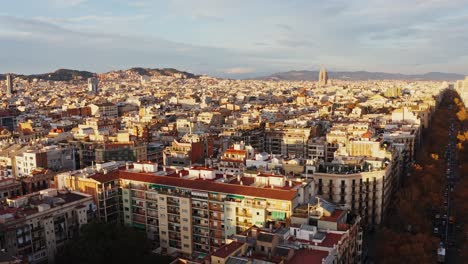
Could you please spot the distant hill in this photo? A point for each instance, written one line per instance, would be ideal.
(68, 75)
(62, 75)
(58, 75)
(362, 75)
(162, 72)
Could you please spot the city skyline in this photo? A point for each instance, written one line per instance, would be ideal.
(227, 39)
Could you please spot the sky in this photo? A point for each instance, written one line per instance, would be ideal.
(235, 38)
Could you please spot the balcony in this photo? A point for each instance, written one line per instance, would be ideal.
(173, 211)
(172, 202)
(218, 226)
(175, 243)
(201, 232)
(200, 223)
(218, 235)
(198, 215)
(217, 218)
(137, 186)
(138, 195)
(216, 207)
(152, 205)
(153, 222)
(244, 214)
(138, 219)
(152, 196)
(153, 213)
(199, 206)
(139, 211)
(174, 220)
(244, 224)
(216, 198)
(138, 203)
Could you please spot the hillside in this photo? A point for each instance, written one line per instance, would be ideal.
(68, 75)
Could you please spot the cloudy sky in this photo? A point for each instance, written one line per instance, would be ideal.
(234, 38)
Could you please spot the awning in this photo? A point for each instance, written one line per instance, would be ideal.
(278, 215)
(235, 196)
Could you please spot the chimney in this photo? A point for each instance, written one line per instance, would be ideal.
(225, 176)
(241, 183)
(238, 178)
(180, 174)
(290, 183)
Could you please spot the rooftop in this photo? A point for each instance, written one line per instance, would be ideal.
(202, 185)
(310, 256)
(228, 249)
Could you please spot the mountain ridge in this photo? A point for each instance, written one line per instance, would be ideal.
(295, 75)
(69, 74)
(305, 75)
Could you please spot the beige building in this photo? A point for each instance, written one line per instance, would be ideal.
(365, 187)
(37, 225)
(184, 213)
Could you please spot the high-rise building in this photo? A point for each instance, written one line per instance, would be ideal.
(9, 83)
(323, 77)
(93, 84)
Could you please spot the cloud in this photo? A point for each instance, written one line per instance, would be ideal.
(238, 70)
(296, 43)
(284, 27)
(66, 3)
(214, 36)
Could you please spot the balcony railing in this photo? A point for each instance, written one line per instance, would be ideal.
(244, 213)
(216, 208)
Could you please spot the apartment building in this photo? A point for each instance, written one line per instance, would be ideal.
(104, 110)
(252, 134)
(50, 157)
(288, 141)
(319, 234)
(9, 187)
(192, 212)
(316, 148)
(121, 151)
(35, 226)
(100, 184)
(183, 153)
(363, 185)
(233, 160)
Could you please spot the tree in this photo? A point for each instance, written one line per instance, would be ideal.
(108, 243)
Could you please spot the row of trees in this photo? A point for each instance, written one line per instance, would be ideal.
(461, 190)
(407, 233)
(108, 243)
